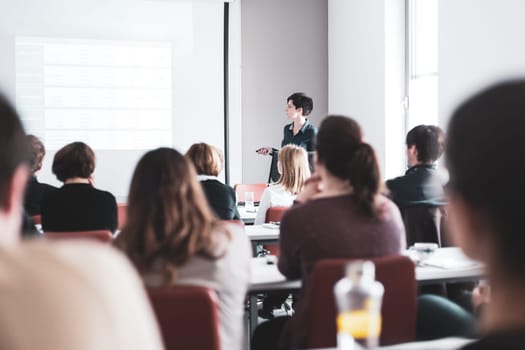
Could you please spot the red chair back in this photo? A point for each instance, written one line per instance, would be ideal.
(257, 190)
(37, 219)
(103, 236)
(122, 214)
(187, 317)
(396, 273)
(275, 214)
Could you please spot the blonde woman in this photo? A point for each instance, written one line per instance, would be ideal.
(294, 170)
(173, 238)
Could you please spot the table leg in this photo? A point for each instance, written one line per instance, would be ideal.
(254, 316)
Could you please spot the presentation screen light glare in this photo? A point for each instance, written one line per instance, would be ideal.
(113, 95)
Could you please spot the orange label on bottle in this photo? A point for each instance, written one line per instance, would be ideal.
(360, 324)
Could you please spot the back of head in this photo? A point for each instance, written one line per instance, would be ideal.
(485, 153)
(300, 100)
(13, 146)
(294, 168)
(206, 159)
(426, 138)
(168, 216)
(340, 148)
(74, 160)
(38, 151)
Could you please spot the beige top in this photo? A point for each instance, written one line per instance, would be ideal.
(72, 295)
(228, 276)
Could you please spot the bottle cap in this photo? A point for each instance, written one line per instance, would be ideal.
(360, 271)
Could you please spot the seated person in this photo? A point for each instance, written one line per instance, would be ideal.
(421, 184)
(77, 205)
(486, 143)
(340, 214)
(173, 238)
(35, 190)
(294, 170)
(208, 162)
(61, 295)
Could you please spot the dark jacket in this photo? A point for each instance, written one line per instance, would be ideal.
(421, 185)
(221, 199)
(79, 207)
(34, 193)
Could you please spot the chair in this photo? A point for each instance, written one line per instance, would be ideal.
(187, 316)
(257, 190)
(122, 215)
(103, 236)
(274, 214)
(424, 223)
(396, 273)
(37, 219)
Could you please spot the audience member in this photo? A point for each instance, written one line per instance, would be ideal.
(339, 214)
(35, 190)
(77, 205)
(66, 295)
(208, 162)
(173, 238)
(294, 170)
(486, 143)
(421, 184)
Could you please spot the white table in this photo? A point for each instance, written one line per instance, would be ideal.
(450, 265)
(246, 216)
(262, 234)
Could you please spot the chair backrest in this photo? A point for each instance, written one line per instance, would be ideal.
(257, 190)
(104, 236)
(122, 214)
(396, 273)
(275, 214)
(423, 223)
(37, 219)
(187, 317)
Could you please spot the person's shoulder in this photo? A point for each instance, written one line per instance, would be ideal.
(106, 195)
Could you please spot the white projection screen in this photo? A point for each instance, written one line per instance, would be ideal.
(124, 76)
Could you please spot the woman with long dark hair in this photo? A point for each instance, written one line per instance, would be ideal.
(340, 214)
(173, 238)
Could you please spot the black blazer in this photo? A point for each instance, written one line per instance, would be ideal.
(221, 199)
(34, 193)
(79, 207)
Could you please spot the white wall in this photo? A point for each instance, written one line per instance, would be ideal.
(284, 50)
(480, 42)
(366, 71)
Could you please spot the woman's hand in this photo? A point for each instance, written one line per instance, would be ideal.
(312, 187)
(265, 151)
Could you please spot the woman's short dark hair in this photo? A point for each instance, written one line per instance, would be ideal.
(426, 139)
(74, 160)
(485, 157)
(340, 148)
(300, 100)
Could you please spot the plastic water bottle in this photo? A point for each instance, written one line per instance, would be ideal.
(359, 298)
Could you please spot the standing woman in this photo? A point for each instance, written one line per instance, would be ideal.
(173, 238)
(299, 132)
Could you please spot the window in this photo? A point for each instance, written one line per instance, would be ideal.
(422, 63)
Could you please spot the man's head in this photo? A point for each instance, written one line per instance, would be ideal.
(14, 170)
(485, 156)
(423, 145)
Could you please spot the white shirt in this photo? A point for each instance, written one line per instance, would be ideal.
(273, 196)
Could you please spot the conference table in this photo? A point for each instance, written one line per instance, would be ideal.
(248, 217)
(444, 265)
